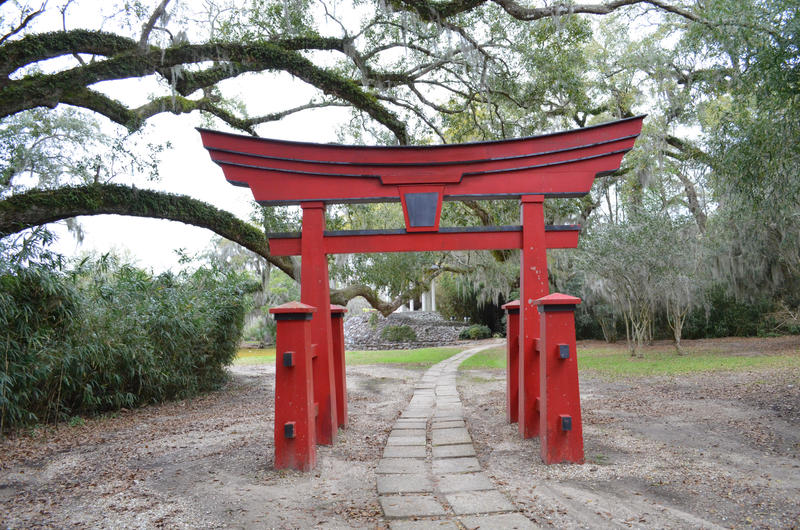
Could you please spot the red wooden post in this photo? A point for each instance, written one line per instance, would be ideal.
(512, 361)
(533, 285)
(295, 440)
(561, 430)
(339, 373)
(315, 291)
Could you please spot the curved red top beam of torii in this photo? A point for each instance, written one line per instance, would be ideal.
(562, 164)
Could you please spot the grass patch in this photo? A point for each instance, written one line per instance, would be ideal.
(419, 357)
(491, 358)
(255, 356)
(620, 364)
(615, 361)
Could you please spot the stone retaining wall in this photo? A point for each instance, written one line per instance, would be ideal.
(363, 331)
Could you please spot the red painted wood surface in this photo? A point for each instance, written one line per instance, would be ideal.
(337, 155)
(294, 392)
(533, 285)
(568, 179)
(559, 381)
(339, 373)
(512, 361)
(561, 164)
(424, 241)
(315, 291)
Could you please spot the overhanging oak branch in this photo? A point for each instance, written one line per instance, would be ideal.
(38, 207)
(72, 85)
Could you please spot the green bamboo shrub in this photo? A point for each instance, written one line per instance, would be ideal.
(105, 336)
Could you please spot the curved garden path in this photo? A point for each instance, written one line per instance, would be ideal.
(429, 476)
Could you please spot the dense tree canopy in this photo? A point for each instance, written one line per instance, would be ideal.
(719, 80)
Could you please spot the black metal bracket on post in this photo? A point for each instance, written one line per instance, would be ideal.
(288, 429)
(288, 359)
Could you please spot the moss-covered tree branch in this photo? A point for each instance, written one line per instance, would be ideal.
(344, 295)
(521, 12)
(72, 85)
(38, 207)
(437, 11)
(43, 46)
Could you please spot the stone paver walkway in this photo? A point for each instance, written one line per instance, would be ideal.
(429, 476)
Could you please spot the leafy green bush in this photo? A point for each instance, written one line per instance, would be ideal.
(399, 334)
(475, 331)
(106, 336)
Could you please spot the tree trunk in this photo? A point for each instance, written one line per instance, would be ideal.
(677, 336)
(676, 316)
(693, 202)
(608, 327)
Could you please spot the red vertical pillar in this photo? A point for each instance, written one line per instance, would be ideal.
(560, 431)
(295, 440)
(339, 372)
(315, 291)
(533, 285)
(512, 361)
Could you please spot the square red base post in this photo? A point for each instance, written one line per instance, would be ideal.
(339, 372)
(560, 427)
(295, 432)
(512, 361)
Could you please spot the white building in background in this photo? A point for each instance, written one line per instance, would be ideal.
(428, 300)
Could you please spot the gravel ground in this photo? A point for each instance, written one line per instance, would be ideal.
(718, 450)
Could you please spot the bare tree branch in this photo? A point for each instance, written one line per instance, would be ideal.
(158, 12)
(23, 23)
(63, 10)
(275, 116)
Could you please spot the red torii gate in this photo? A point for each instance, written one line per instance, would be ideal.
(543, 387)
